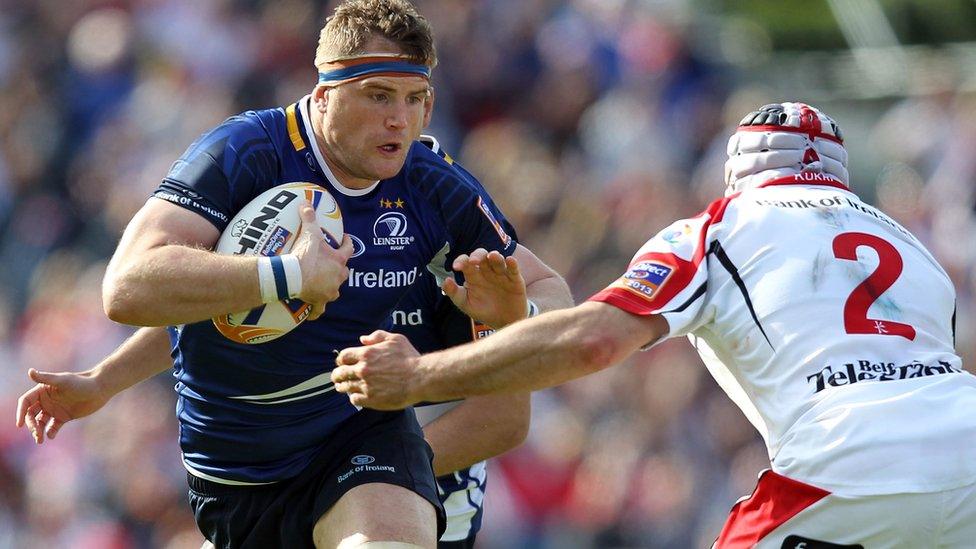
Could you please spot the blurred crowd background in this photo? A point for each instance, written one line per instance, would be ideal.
(593, 123)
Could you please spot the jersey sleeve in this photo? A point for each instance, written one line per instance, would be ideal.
(668, 275)
(220, 172)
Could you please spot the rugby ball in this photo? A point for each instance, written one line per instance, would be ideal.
(269, 226)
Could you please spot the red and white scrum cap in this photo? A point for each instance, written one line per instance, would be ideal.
(783, 139)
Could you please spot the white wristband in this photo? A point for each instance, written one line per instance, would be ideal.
(533, 308)
(269, 293)
(280, 277)
(293, 274)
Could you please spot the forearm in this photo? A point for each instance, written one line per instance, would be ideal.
(140, 357)
(477, 429)
(176, 284)
(538, 352)
(550, 293)
(544, 286)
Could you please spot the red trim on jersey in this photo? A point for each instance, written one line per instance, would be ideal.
(800, 179)
(791, 129)
(683, 271)
(776, 500)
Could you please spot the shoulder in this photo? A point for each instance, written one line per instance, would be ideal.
(433, 172)
(237, 135)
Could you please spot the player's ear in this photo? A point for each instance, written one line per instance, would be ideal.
(428, 106)
(320, 98)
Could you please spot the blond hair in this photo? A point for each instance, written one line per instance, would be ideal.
(354, 22)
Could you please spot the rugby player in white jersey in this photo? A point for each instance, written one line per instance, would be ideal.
(824, 320)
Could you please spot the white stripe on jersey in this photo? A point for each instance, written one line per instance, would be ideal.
(218, 480)
(321, 380)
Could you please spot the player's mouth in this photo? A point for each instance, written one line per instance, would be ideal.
(390, 148)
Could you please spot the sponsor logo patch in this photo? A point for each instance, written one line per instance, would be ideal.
(276, 241)
(362, 460)
(645, 277)
(506, 240)
(674, 236)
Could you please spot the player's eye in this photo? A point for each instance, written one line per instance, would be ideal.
(381, 97)
(415, 99)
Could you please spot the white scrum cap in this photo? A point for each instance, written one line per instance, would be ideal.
(783, 139)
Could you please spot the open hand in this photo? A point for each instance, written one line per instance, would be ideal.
(57, 399)
(493, 291)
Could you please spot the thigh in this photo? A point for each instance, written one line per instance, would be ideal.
(378, 512)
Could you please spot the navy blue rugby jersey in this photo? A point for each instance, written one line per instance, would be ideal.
(258, 413)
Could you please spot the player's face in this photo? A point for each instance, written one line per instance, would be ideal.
(368, 125)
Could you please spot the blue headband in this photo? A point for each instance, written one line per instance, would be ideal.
(366, 66)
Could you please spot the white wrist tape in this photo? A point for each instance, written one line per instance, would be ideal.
(533, 308)
(269, 294)
(293, 274)
(280, 277)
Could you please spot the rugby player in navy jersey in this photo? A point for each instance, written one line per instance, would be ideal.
(261, 427)
(462, 434)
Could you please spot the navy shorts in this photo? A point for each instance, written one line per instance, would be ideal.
(370, 447)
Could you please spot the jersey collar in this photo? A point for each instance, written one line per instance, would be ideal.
(805, 179)
(303, 106)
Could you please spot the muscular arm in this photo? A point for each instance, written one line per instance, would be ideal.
(533, 354)
(163, 272)
(58, 398)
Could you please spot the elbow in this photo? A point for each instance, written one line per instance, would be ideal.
(595, 351)
(120, 303)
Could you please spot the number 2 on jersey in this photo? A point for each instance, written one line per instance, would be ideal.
(889, 268)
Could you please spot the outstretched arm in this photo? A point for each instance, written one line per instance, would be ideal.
(58, 398)
(533, 354)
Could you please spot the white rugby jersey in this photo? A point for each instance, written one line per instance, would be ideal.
(828, 324)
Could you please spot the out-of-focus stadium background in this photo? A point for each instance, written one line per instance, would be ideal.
(592, 122)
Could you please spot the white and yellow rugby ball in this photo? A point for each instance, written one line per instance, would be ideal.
(269, 226)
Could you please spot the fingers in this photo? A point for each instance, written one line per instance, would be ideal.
(53, 427)
(347, 378)
(31, 418)
(346, 249)
(347, 356)
(317, 310)
(378, 336)
(43, 419)
(473, 259)
(456, 293)
(309, 223)
(25, 401)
